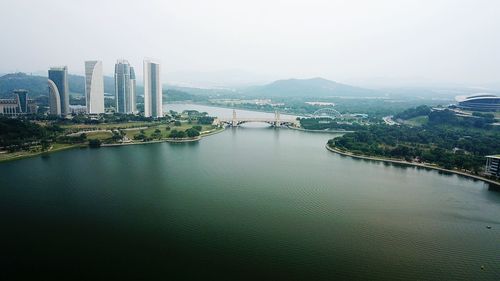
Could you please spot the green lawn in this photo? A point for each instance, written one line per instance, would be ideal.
(417, 121)
(79, 127)
(103, 136)
(99, 135)
(165, 133)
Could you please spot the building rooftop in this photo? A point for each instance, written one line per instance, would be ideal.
(59, 68)
(493, 156)
(476, 96)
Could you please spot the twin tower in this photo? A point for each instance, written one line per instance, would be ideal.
(125, 89)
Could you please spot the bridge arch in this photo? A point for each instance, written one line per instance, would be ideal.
(327, 112)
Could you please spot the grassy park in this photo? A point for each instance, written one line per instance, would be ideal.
(25, 138)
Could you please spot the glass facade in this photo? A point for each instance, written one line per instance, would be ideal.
(124, 87)
(59, 76)
(22, 100)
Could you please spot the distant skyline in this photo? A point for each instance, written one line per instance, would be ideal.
(224, 42)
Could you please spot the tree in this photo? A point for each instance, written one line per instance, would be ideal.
(157, 134)
(95, 143)
(116, 136)
(206, 120)
(45, 144)
(191, 132)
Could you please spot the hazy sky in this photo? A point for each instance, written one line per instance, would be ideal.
(451, 41)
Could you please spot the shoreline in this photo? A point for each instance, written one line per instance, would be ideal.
(42, 153)
(320, 131)
(20, 157)
(418, 165)
(198, 138)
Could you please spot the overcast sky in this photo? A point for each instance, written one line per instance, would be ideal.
(448, 41)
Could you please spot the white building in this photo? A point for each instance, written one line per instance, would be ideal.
(153, 101)
(132, 97)
(493, 165)
(94, 87)
(77, 109)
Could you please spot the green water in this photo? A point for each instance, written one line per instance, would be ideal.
(256, 203)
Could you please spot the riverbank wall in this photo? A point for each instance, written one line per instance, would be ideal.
(419, 165)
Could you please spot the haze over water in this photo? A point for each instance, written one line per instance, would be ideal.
(248, 202)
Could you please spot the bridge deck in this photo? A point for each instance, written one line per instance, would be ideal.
(257, 120)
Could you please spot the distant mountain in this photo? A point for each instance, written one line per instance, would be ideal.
(37, 85)
(314, 87)
(77, 84)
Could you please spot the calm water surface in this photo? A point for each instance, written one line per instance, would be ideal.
(251, 202)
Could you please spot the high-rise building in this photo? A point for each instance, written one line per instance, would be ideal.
(58, 90)
(124, 87)
(153, 101)
(94, 87)
(132, 101)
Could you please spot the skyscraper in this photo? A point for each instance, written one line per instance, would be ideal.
(132, 101)
(124, 87)
(94, 87)
(58, 90)
(153, 101)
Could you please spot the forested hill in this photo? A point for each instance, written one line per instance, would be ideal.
(314, 87)
(37, 85)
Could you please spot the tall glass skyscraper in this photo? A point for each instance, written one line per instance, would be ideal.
(124, 87)
(153, 100)
(94, 87)
(58, 90)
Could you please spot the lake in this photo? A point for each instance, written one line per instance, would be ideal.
(251, 202)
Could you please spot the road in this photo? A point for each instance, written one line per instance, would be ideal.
(388, 120)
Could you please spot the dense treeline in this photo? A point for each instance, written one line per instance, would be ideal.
(448, 147)
(327, 124)
(413, 112)
(17, 134)
(449, 117)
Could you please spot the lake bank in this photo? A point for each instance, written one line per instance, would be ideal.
(420, 165)
(81, 145)
(39, 153)
(320, 131)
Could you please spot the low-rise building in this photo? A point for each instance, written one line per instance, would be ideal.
(77, 109)
(493, 165)
(18, 105)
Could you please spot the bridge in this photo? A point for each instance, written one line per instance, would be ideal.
(327, 112)
(277, 121)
